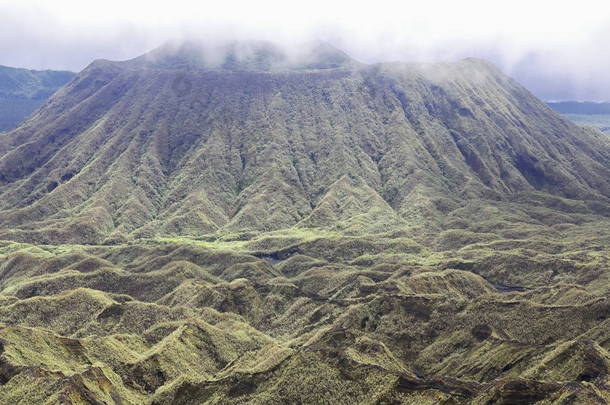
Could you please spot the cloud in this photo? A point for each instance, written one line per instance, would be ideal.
(558, 49)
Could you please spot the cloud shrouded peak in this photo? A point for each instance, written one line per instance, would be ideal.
(559, 50)
(243, 55)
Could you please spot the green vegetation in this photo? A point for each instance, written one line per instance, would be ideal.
(265, 231)
(23, 91)
(187, 319)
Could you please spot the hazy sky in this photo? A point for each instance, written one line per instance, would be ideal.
(558, 49)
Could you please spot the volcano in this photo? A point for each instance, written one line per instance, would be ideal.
(247, 224)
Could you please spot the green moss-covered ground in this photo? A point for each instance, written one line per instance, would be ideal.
(307, 316)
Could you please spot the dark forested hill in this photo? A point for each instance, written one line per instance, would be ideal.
(241, 224)
(23, 91)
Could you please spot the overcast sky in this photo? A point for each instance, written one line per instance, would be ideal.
(558, 49)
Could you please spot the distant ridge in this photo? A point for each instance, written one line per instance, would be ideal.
(22, 91)
(580, 107)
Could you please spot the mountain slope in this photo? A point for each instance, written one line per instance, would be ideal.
(239, 224)
(23, 91)
(136, 141)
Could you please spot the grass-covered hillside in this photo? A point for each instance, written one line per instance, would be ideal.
(23, 91)
(240, 225)
(169, 145)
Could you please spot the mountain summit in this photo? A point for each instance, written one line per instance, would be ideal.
(243, 56)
